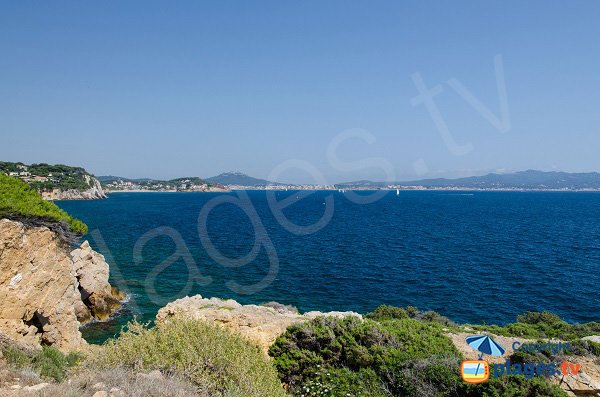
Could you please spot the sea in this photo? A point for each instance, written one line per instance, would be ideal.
(472, 256)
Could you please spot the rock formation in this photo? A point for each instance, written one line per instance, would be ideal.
(99, 299)
(44, 288)
(259, 324)
(95, 192)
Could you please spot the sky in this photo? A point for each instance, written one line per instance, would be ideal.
(301, 91)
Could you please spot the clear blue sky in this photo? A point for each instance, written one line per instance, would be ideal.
(167, 89)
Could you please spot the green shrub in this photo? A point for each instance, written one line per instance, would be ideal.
(216, 361)
(347, 347)
(539, 325)
(16, 357)
(17, 199)
(49, 363)
(514, 386)
(334, 382)
(385, 312)
(390, 357)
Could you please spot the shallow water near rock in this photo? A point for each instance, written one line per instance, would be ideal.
(475, 257)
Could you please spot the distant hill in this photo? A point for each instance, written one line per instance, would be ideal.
(56, 181)
(530, 179)
(185, 184)
(240, 179)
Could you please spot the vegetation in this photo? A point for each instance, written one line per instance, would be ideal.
(57, 176)
(49, 363)
(216, 361)
(393, 352)
(537, 325)
(127, 382)
(20, 201)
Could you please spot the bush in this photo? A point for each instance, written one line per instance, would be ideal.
(216, 361)
(385, 312)
(540, 325)
(49, 363)
(515, 386)
(390, 357)
(348, 347)
(18, 200)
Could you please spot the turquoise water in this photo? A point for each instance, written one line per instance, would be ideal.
(471, 256)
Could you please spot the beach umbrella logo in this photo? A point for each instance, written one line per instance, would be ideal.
(485, 345)
(478, 371)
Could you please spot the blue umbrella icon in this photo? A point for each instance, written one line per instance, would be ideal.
(485, 345)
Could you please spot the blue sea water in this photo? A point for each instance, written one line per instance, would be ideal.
(471, 256)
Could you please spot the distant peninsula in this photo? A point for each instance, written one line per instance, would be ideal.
(56, 182)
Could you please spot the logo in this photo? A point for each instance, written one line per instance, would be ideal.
(479, 371)
(475, 371)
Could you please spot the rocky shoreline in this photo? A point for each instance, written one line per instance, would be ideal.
(95, 192)
(49, 290)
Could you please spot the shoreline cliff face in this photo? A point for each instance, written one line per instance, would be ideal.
(95, 192)
(46, 291)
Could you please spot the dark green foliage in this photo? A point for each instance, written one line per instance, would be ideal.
(59, 176)
(585, 347)
(539, 325)
(353, 346)
(21, 202)
(514, 386)
(385, 312)
(394, 352)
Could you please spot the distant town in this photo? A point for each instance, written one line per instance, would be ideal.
(53, 181)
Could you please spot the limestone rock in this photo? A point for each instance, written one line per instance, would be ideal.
(259, 324)
(580, 385)
(37, 387)
(98, 299)
(45, 289)
(95, 192)
(40, 307)
(593, 338)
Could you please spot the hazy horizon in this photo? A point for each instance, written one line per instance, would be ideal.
(306, 92)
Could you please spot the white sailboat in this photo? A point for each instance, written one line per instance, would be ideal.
(397, 192)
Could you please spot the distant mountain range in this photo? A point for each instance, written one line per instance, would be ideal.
(240, 179)
(530, 179)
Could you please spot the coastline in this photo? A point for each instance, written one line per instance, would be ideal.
(317, 189)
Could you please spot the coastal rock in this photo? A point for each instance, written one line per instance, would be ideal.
(44, 288)
(259, 324)
(593, 338)
(579, 385)
(95, 192)
(39, 308)
(98, 299)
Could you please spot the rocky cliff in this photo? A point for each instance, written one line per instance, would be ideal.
(95, 192)
(47, 291)
(259, 324)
